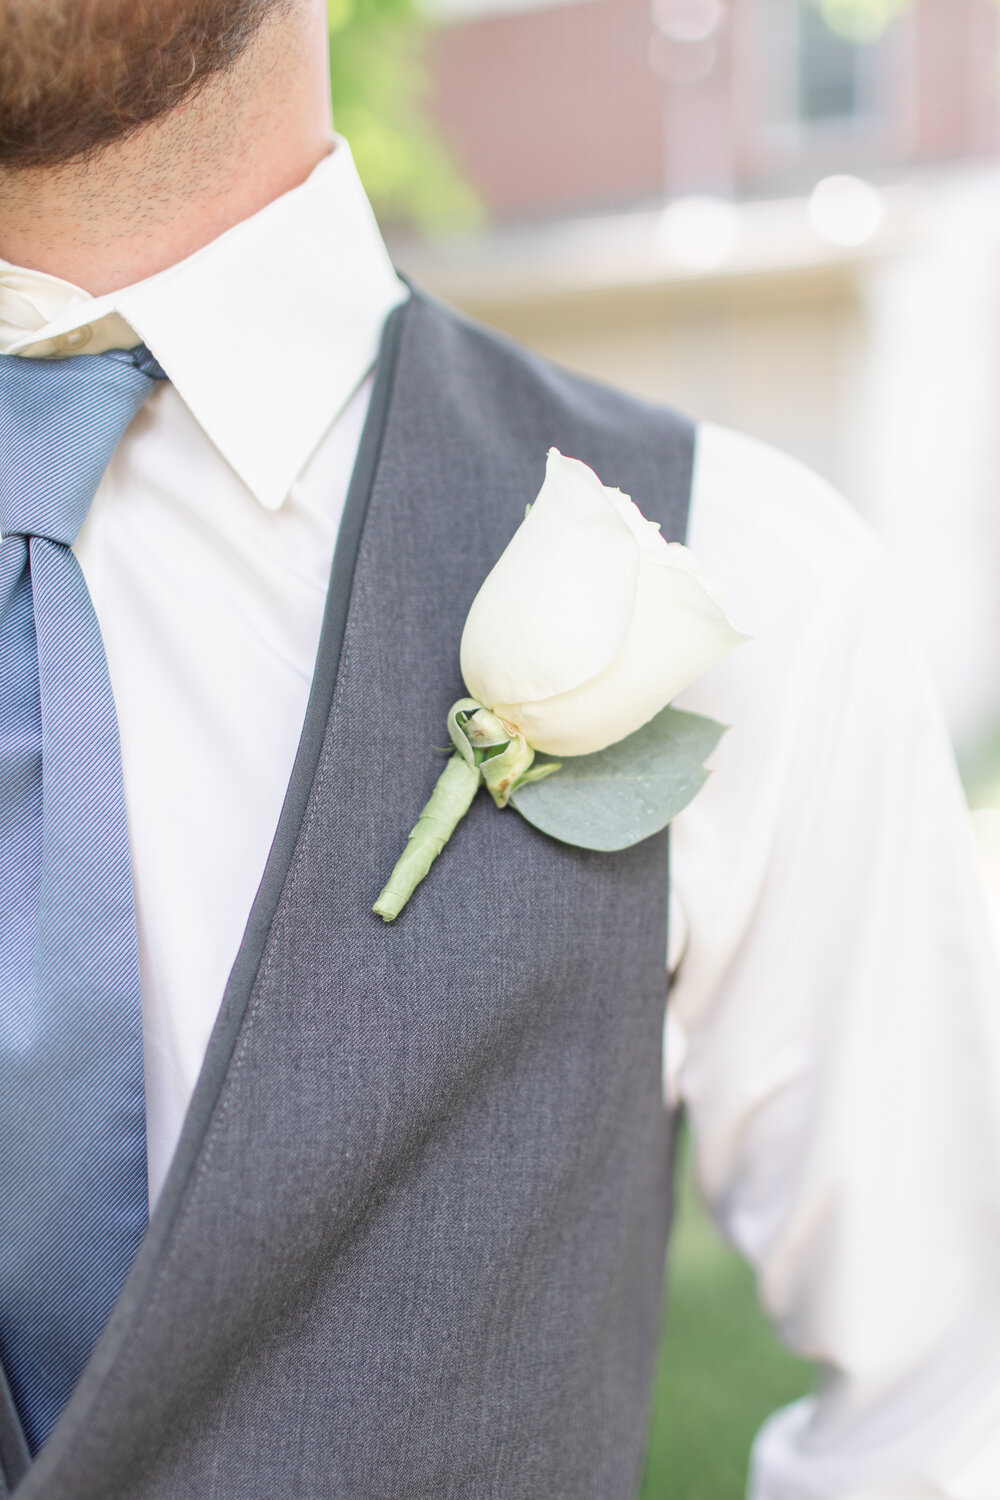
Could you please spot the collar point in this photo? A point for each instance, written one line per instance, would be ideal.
(270, 499)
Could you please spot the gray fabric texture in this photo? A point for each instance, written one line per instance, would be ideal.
(412, 1241)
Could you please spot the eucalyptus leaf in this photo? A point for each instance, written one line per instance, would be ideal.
(619, 796)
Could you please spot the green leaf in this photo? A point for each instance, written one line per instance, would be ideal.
(626, 793)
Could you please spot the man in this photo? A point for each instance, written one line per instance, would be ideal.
(409, 1186)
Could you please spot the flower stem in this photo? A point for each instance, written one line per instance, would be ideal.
(449, 802)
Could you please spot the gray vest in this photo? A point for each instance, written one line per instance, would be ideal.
(412, 1241)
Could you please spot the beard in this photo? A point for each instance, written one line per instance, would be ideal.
(79, 75)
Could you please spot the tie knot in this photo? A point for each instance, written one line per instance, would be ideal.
(60, 422)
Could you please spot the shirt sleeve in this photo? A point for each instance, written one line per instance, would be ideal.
(838, 1003)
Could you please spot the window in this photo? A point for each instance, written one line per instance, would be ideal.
(817, 81)
(830, 72)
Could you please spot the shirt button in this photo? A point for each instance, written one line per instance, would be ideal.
(76, 339)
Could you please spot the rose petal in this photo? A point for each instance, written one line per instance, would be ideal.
(677, 632)
(555, 609)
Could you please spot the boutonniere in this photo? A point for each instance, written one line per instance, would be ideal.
(582, 634)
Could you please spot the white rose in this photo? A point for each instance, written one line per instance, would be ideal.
(590, 623)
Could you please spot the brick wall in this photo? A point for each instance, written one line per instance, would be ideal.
(585, 106)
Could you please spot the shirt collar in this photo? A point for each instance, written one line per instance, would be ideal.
(266, 332)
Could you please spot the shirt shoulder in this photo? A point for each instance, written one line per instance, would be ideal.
(779, 508)
(786, 550)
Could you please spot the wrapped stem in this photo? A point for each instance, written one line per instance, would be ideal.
(449, 802)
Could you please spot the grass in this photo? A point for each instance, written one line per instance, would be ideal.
(722, 1371)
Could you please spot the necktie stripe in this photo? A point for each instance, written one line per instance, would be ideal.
(72, 1105)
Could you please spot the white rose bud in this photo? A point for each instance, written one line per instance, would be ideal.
(591, 622)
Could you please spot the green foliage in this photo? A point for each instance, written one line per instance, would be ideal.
(722, 1371)
(861, 20)
(615, 797)
(379, 87)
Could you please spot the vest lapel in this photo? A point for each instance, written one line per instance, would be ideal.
(52, 1470)
(14, 1455)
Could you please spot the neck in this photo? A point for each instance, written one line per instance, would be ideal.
(145, 203)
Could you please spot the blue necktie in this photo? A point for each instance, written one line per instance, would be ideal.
(73, 1198)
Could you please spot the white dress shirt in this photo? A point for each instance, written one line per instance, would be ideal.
(835, 1023)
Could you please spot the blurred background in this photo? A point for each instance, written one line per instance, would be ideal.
(783, 215)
